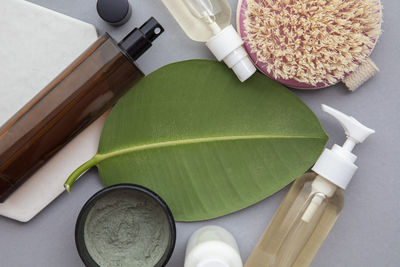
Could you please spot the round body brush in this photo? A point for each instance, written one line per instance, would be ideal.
(311, 44)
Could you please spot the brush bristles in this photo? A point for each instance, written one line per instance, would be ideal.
(312, 41)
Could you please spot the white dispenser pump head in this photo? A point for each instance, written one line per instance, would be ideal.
(337, 164)
(227, 46)
(355, 131)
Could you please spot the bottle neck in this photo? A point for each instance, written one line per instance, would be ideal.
(321, 189)
(324, 186)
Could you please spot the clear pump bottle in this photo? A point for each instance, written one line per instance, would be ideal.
(312, 205)
(209, 21)
(78, 96)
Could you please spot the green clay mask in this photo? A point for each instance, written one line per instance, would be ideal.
(126, 228)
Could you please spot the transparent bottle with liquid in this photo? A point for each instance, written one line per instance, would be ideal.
(75, 98)
(314, 202)
(209, 21)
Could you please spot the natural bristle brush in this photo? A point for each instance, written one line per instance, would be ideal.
(310, 44)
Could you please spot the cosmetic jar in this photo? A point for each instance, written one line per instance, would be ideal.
(125, 225)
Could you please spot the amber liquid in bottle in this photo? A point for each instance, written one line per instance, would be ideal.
(78, 96)
(291, 241)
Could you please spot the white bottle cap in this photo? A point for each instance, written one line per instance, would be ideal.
(227, 46)
(213, 254)
(212, 246)
(337, 164)
(213, 263)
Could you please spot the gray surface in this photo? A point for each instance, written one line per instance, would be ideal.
(366, 234)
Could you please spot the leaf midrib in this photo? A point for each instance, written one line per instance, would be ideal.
(103, 156)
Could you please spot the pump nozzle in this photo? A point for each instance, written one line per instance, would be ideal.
(139, 40)
(354, 130)
(335, 167)
(337, 164)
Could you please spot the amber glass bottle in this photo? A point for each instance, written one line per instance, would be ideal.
(78, 96)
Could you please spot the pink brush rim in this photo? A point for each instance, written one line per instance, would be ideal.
(242, 7)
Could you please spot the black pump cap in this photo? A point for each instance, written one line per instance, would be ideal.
(115, 12)
(139, 40)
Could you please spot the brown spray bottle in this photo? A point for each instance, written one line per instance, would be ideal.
(79, 95)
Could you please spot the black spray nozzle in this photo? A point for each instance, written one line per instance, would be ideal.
(151, 29)
(139, 39)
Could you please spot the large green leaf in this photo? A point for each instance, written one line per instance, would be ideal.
(208, 144)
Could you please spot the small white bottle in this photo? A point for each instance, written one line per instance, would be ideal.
(314, 202)
(212, 246)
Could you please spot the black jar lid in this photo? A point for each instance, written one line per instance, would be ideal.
(115, 12)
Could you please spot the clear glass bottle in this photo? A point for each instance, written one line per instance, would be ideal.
(73, 100)
(209, 21)
(284, 243)
(314, 202)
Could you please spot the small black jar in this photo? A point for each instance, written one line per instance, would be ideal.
(115, 12)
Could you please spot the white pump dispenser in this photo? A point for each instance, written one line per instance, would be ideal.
(313, 204)
(335, 167)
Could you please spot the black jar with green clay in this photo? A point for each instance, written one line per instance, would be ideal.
(125, 225)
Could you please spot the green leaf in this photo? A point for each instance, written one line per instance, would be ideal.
(206, 143)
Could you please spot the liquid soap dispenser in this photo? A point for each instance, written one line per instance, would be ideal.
(312, 205)
(209, 21)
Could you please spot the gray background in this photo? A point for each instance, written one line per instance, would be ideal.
(366, 234)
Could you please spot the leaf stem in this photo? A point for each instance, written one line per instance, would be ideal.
(79, 171)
